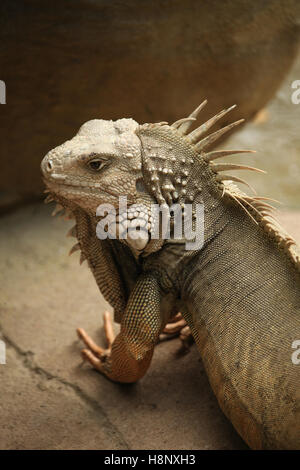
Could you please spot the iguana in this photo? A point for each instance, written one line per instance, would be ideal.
(239, 293)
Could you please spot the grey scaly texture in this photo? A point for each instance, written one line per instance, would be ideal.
(239, 293)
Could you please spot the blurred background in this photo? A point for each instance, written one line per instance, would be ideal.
(67, 61)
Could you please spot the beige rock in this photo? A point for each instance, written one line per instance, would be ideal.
(65, 65)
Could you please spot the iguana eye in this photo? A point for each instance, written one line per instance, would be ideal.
(96, 164)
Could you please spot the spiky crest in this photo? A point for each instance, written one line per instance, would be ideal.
(259, 211)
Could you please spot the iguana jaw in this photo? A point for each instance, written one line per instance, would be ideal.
(67, 195)
(72, 194)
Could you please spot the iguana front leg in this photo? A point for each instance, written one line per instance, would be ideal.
(131, 351)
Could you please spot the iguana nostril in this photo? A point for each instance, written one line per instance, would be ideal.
(49, 165)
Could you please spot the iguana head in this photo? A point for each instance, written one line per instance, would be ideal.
(101, 163)
(150, 163)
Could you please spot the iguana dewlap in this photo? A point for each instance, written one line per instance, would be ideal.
(239, 293)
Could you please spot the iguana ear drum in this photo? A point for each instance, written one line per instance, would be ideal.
(140, 187)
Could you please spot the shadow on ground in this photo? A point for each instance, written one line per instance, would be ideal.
(49, 399)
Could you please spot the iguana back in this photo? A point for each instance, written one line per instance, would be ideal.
(243, 304)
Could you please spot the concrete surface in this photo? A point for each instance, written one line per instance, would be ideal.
(48, 398)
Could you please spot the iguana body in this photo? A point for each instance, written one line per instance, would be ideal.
(239, 293)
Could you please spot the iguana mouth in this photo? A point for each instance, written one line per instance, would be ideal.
(56, 185)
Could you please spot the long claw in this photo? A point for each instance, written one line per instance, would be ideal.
(174, 319)
(186, 337)
(90, 343)
(186, 331)
(89, 356)
(108, 328)
(172, 328)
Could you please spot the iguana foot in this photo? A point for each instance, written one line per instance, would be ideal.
(186, 337)
(177, 326)
(95, 354)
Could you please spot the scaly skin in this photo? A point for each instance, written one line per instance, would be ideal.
(239, 293)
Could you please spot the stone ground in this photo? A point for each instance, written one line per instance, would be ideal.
(49, 399)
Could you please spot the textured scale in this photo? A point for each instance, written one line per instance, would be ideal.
(239, 293)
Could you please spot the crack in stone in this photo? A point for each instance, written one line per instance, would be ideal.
(28, 361)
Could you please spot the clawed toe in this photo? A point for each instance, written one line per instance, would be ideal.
(177, 326)
(87, 355)
(94, 353)
(97, 350)
(174, 327)
(186, 337)
(108, 328)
